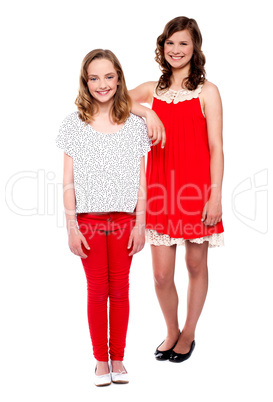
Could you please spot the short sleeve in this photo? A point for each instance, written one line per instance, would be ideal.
(145, 141)
(67, 132)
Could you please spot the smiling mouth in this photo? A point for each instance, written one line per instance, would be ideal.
(103, 92)
(177, 57)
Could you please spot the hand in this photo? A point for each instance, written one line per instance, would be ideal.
(75, 239)
(156, 130)
(137, 239)
(212, 212)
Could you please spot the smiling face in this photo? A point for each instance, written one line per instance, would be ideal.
(102, 80)
(178, 49)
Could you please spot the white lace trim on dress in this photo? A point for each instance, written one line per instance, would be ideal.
(182, 95)
(158, 239)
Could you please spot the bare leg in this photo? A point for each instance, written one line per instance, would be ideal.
(102, 368)
(163, 266)
(196, 261)
(117, 366)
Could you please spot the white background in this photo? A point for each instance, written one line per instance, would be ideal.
(45, 346)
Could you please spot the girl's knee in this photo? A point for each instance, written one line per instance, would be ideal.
(195, 265)
(196, 258)
(162, 279)
(119, 294)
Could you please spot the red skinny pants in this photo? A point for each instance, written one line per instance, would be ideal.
(107, 268)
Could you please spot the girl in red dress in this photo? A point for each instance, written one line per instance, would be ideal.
(184, 178)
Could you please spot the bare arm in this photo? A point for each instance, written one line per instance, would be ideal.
(137, 236)
(144, 94)
(75, 237)
(212, 213)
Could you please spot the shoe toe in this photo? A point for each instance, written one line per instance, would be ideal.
(162, 355)
(120, 378)
(179, 357)
(102, 380)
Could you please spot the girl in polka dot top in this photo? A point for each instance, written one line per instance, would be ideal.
(105, 199)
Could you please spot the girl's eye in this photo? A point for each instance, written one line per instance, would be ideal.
(169, 43)
(110, 77)
(92, 79)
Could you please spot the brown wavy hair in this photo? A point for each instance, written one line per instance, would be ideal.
(86, 104)
(197, 71)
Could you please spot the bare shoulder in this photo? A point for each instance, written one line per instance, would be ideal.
(210, 89)
(211, 100)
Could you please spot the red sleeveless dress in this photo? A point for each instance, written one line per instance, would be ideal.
(178, 176)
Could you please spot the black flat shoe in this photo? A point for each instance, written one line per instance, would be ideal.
(180, 357)
(164, 354)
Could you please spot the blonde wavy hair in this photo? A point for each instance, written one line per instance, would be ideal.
(87, 105)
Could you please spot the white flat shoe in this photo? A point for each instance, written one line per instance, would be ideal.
(121, 377)
(102, 380)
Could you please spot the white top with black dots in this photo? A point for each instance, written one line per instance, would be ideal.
(106, 166)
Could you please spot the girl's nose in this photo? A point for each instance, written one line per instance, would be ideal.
(103, 84)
